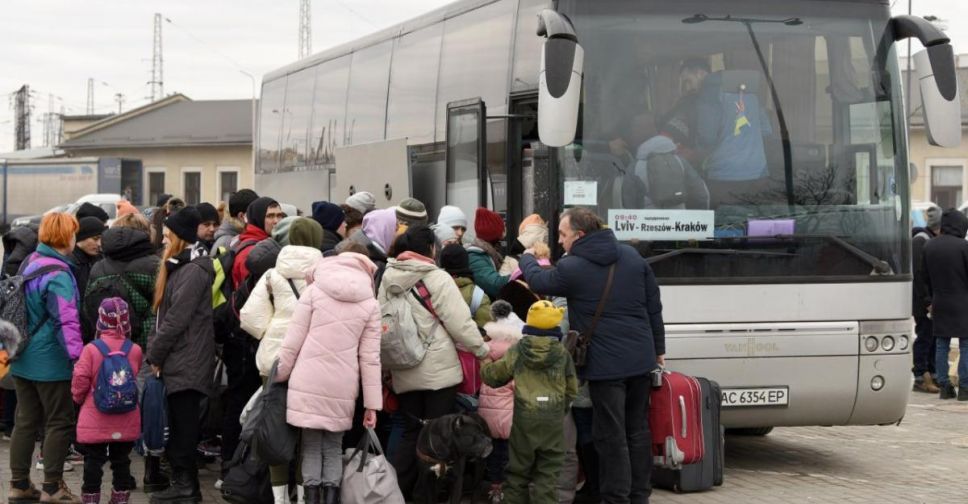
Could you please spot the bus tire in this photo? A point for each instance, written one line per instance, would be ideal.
(750, 431)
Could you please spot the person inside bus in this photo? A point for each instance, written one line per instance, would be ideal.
(662, 177)
(681, 124)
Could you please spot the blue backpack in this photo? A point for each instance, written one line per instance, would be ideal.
(116, 390)
(154, 415)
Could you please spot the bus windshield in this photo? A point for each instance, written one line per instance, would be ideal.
(743, 140)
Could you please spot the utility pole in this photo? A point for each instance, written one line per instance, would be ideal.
(305, 29)
(22, 118)
(118, 97)
(49, 118)
(90, 96)
(157, 64)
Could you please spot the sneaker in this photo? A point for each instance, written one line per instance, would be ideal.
(68, 466)
(218, 485)
(29, 494)
(63, 495)
(947, 391)
(73, 455)
(496, 494)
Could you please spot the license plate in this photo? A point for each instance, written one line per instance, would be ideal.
(763, 396)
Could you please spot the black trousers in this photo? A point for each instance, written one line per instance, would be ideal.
(924, 346)
(96, 455)
(184, 431)
(622, 438)
(415, 479)
(243, 378)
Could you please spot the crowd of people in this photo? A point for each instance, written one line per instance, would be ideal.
(314, 302)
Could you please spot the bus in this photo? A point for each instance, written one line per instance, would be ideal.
(777, 222)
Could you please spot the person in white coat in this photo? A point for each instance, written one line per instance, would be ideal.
(270, 306)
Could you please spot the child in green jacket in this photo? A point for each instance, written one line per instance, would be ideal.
(545, 386)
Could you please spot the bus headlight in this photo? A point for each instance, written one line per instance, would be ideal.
(871, 344)
(887, 343)
(877, 383)
(902, 343)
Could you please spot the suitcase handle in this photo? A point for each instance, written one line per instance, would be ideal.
(685, 422)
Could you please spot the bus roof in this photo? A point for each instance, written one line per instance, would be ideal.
(435, 16)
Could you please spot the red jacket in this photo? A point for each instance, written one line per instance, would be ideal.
(250, 233)
(93, 426)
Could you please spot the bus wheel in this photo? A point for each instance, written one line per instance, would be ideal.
(750, 431)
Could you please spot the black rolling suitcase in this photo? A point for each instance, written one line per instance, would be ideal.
(708, 472)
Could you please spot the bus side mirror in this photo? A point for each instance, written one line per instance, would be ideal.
(935, 70)
(559, 81)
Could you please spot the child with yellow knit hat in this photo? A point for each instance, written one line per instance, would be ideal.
(544, 387)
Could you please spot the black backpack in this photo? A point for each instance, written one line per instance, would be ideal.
(666, 180)
(247, 478)
(13, 304)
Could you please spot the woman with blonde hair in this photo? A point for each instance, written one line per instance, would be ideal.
(45, 363)
(182, 350)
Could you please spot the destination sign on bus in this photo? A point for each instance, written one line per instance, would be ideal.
(662, 225)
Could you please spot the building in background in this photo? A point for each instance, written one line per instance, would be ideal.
(942, 174)
(197, 150)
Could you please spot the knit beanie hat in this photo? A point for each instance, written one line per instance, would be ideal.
(208, 213)
(411, 212)
(329, 215)
(162, 200)
(89, 227)
(124, 207)
(362, 201)
(184, 223)
(239, 201)
(89, 210)
(305, 232)
(256, 213)
(544, 315)
(454, 260)
(113, 314)
(444, 233)
(452, 216)
(280, 233)
(488, 225)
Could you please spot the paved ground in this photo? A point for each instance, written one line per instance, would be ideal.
(925, 459)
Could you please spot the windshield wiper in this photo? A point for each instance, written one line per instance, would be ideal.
(684, 251)
(881, 267)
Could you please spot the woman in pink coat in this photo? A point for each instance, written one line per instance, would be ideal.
(106, 437)
(333, 341)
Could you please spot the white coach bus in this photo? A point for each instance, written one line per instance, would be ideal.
(780, 234)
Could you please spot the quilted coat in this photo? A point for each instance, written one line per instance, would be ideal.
(497, 404)
(267, 312)
(333, 341)
(93, 426)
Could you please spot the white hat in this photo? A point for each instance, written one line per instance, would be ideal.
(362, 201)
(452, 216)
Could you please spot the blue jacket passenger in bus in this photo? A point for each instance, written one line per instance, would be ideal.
(630, 334)
(732, 124)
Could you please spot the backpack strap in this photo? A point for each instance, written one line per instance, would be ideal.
(477, 298)
(423, 295)
(102, 347)
(292, 285)
(126, 347)
(41, 271)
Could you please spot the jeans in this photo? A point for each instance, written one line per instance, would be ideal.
(238, 354)
(184, 431)
(96, 455)
(398, 424)
(944, 347)
(622, 438)
(924, 347)
(45, 405)
(415, 477)
(322, 461)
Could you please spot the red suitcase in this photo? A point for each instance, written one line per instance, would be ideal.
(675, 418)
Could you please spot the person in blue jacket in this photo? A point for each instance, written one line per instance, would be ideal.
(628, 343)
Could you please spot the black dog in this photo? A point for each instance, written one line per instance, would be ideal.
(449, 442)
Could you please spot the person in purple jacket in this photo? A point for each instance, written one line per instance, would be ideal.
(44, 365)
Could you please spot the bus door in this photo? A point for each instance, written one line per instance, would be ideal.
(532, 179)
(466, 157)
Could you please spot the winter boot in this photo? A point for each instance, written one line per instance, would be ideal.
(23, 491)
(947, 391)
(154, 480)
(280, 494)
(58, 492)
(91, 498)
(330, 494)
(183, 489)
(963, 393)
(312, 494)
(925, 383)
(120, 497)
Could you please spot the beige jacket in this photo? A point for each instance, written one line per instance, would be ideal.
(440, 368)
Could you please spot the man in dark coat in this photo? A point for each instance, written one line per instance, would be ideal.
(86, 253)
(924, 345)
(628, 343)
(18, 243)
(333, 220)
(946, 261)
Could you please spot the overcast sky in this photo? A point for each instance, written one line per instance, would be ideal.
(56, 45)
